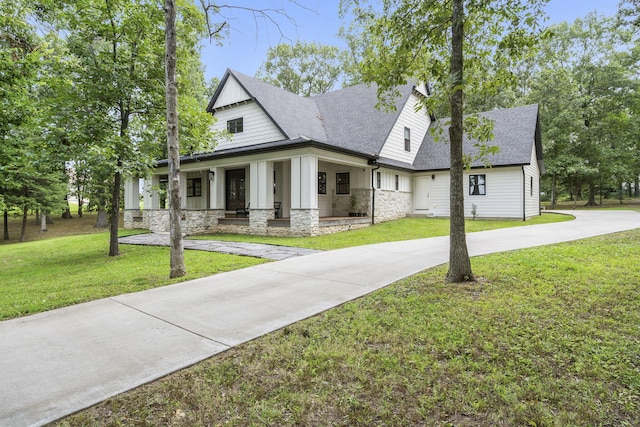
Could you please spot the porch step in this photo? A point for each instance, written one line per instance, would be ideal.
(423, 214)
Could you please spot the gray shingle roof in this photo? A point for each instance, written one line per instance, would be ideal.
(295, 115)
(515, 131)
(345, 118)
(348, 120)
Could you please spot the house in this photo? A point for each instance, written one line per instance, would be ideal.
(308, 166)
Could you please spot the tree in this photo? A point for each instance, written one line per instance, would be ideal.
(586, 80)
(118, 47)
(177, 267)
(447, 44)
(304, 68)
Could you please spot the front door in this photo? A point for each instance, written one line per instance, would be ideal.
(421, 195)
(235, 189)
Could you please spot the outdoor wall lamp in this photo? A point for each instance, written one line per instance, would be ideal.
(212, 175)
(433, 176)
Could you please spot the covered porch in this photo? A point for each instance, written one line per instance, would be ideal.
(297, 195)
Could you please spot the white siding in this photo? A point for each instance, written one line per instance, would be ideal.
(388, 180)
(418, 122)
(503, 197)
(439, 194)
(257, 126)
(231, 93)
(201, 201)
(532, 195)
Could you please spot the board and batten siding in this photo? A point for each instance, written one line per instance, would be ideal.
(417, 121)
(231, 93)
(257, 126)
(503, 198)
(532, 195)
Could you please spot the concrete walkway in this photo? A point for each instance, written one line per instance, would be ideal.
(59, 362)
(259, 250)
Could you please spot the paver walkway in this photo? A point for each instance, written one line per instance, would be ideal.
(259, 250)
(56, 363)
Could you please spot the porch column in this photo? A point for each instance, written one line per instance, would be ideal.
(216, 188)
(151, 199)
(132, 194)
(131, 202)
(183, 190)
(304, 214)
(260, 196)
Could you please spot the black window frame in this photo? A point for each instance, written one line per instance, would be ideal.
(343, 186)
(322, 183)
(378, 180)
(194, 187)
(407, 139)
(478, 184)
(235, 125)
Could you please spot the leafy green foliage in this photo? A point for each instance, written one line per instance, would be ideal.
(586, 81)
(304, 68)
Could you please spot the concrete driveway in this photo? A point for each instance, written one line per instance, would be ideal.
(62, 361)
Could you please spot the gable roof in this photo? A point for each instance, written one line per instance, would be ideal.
(346, 119)
(515, 132)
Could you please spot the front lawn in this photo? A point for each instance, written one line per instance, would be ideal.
(47, 274)
(391, 231)
(548, 336)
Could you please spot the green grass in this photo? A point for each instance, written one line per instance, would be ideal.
(43, 275)
(402, 229)
(548, 336)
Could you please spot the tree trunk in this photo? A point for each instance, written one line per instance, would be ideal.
(592, 194)
(23, 231)
(43, 222)
(101, 221)
(6, 225)
(636, 192)
(177, 267)
(459, 262)
(553, 191)
(114, 214)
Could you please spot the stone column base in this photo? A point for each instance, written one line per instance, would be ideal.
(305, 222)
(258, 221)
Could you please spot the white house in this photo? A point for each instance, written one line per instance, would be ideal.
(308, 166)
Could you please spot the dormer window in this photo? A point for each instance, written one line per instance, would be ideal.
(234, 125)
(407, 139)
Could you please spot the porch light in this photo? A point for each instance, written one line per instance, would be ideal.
(212, 175)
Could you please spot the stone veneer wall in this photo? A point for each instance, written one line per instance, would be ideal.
(304, 222)
(134, 219)
(392, 205)
(342, 204)
(258, 219)
(193, 221)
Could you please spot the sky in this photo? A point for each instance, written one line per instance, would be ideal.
(245, 47)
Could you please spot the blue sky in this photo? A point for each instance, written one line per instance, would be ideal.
(246, 46)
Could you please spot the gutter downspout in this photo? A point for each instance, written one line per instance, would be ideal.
(373, 192)
(524, 195)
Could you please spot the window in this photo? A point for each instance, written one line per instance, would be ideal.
(407, 139)
(342, 183)
(378, 180)
(477, 185)
(322, 183)
(235, 125)
(194, 187)
(531, 186)
(397, 183)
